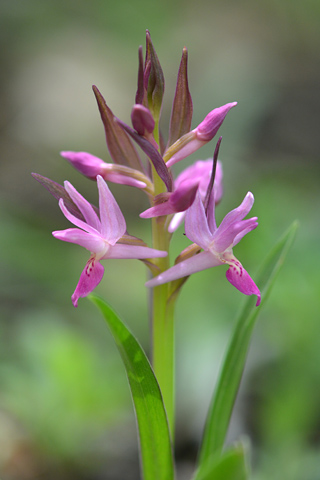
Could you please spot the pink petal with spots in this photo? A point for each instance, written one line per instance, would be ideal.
(89, 279)
(240, 279)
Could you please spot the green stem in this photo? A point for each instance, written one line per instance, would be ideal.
(162, 316)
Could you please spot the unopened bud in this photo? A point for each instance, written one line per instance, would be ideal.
(208, 128)
(85, 163)
(202, 134)
(142, 120)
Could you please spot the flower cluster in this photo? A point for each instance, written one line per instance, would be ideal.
(191, 197)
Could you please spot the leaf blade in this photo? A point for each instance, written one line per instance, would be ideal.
(231, 465)
(155, 443)
(233, 365)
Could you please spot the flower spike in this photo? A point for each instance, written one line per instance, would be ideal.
(98, 235)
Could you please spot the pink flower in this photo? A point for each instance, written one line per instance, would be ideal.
(217, 244)
(91, 166)
(196, 177)
(202, 134)
(201, 170)
(98, 235)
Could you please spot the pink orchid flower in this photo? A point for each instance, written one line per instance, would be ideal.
(201, 170)
(91, 166)
(201, 135)
(193, 178)
(99, 236)
(217, 244)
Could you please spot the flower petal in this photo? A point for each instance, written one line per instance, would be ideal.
(121, 250)
(176, 221)
(93, 243)
(251, 224)
(196, 224)
(237, 214)
(183, 147)
(165, 208)
(84, 206)
(232, 235)
(240, 279)
(194, 264)
(178, 201)
(75, 220)
(113, 224)
(89, 279)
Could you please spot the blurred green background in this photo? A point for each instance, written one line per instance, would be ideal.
(65, 407)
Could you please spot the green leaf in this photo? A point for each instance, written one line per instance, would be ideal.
(232, 368)
(155, 443)
(232, 465)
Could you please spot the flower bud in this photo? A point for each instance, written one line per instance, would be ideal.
(142, 120)
(91, 166)
(154, 79)
(85, 163)
(208, 128)
(202, 134)
(181, 114)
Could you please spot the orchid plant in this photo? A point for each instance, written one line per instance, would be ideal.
(191, 198)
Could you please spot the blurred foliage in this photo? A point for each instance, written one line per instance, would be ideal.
(64, 403)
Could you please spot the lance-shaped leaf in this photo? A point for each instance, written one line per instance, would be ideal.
(156, 451)
(119, 144)
(182, 108)
(233, 365)
(154, 79)
(155, 157)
